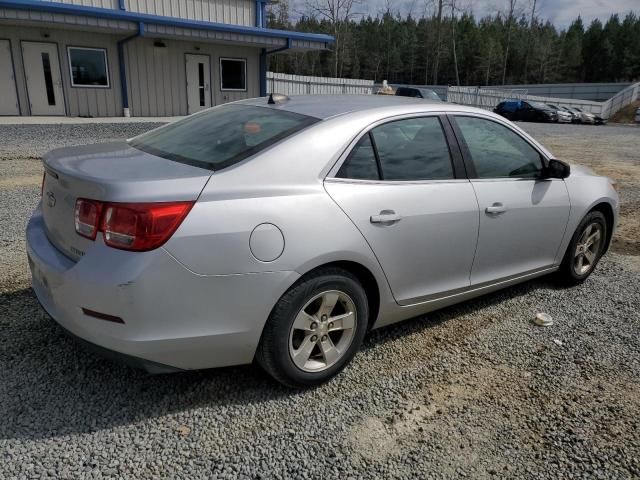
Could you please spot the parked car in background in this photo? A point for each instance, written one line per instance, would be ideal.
(582, 116)
(416, 92)
(575, 116)
(285, 230)
(637, 119)
(526, 111)
(563, 115)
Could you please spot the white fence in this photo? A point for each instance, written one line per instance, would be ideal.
(482, 97)
(488, 98)
(303, 85)
(621, 100)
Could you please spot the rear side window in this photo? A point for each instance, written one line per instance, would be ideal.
(412, 149)
(361, 163)
(222, 136)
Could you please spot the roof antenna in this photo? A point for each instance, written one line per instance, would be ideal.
(271, 100)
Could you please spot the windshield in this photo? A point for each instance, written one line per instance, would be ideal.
(222, 136)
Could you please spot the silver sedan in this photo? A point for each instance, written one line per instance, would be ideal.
(284, 230)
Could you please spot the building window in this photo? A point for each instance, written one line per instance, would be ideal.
(233, 74)
(88, 67)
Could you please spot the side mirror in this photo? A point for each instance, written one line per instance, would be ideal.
(557, 169)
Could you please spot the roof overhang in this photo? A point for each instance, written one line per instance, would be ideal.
(161, 26)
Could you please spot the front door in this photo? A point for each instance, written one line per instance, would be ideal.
(523, 217)
(399, 188)
(198, 78)
(8, 98)
(44, 83)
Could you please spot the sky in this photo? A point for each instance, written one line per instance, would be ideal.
(560, 12)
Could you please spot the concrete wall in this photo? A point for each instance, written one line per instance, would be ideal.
(156, 75)
(237, 12)
(595, 92)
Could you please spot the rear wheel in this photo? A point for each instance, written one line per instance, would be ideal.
(315, 329)
(586, 249)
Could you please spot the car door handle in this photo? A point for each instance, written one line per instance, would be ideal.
(496, 209)
(386, 216)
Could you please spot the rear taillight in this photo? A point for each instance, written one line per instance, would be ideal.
(131, 226)
(142, 226)
(87, 217)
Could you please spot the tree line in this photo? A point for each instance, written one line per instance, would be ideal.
(451, 46)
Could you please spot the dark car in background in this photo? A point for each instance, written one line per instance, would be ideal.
(526, 111)
(416, 92)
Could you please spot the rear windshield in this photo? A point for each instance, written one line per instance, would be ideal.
(221, 137)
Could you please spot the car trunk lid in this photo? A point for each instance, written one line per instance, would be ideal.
(109, 172)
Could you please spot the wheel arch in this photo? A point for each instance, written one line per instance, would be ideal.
(607, 210)
(366, 278)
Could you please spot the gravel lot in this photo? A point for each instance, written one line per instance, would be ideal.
(471, 391)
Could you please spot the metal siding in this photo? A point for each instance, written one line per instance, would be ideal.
(157, 78)
(95, 102)
(90, 3)
(235, 12)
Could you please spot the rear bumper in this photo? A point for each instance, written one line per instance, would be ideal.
(173, 318)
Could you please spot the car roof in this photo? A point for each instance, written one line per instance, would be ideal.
(327, 106)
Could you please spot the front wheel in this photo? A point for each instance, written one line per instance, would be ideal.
(585, 250)
(315, 329)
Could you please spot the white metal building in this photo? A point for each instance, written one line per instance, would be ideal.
(102, 58)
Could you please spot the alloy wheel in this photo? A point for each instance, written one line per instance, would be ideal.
(587, 249)
(322, 331)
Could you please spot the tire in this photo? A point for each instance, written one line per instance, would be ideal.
(299, 326)
(574, 271)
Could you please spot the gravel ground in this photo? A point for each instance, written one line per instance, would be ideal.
(474, 390)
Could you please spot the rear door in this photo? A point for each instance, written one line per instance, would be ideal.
(522, 216)
(406, 191)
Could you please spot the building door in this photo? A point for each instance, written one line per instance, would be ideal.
(44, 83)
(8, 98)
(198, 83)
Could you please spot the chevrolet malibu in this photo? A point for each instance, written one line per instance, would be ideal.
(282, 230)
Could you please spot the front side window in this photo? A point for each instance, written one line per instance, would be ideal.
(233, 74)
(497, 151)
(88, 67)
(222, 136)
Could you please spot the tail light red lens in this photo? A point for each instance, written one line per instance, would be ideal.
(87, 217)
(142, 226)
(136, 226)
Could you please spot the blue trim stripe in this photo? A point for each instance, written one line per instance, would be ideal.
(123, 15)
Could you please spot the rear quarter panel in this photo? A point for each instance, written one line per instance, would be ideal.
(283, 186)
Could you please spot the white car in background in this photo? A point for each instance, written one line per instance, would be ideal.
(584, 117)
(563, 115)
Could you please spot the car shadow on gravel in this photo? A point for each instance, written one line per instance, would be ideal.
(51, 386)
